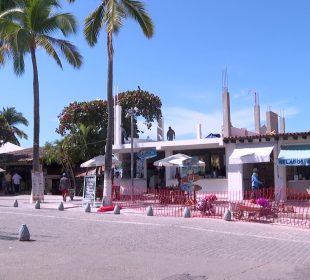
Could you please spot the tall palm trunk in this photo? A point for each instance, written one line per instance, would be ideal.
(107, 190)
(36, 113)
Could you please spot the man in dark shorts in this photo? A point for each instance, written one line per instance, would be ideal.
(64, 186)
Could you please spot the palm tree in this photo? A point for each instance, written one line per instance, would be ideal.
(111, 14)
(26, 28)
(13, 119)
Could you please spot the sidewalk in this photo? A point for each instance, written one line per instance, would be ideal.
(50, 202)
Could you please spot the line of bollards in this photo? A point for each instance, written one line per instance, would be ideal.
(149, 210)
(24, 234)
(187, 213)
(61, 207)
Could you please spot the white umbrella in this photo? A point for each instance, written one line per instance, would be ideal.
(99, 161)
(2, 170)
(175, 160)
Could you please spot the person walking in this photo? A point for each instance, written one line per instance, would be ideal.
(256, 183)
(64, 186)
(161, 175)
(8, 182)
(116, 186)
(16, 182)
(149, 175)
(123, 134)
(170, 134)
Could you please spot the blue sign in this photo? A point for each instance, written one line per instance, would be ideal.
(186, 187)
(294, 161)
(145, 154)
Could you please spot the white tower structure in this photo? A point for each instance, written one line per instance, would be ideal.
(226, 106)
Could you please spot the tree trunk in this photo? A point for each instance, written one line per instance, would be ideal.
(36, 113)
(107, 189)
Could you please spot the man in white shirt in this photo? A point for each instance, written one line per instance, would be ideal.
(16, 181)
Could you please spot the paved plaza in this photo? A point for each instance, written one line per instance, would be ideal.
(72, 244)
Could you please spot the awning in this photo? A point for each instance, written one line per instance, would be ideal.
(251, 154)
(91, 171)
(294, 155)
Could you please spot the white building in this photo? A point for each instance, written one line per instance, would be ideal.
(282, 158)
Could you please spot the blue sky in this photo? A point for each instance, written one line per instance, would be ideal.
(264, 45)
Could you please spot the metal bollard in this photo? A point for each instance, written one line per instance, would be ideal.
(15, 203)
(117, 210)
(23, 234)
(37, 205)
(149, 211)
(227, 215)
(61, 206)
(186, 213)
(87, 208)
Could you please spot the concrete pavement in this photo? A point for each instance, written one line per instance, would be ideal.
(50, 201)
(72, 244)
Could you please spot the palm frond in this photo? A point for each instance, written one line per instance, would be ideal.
(18, 42)
(65, 22)
(36, 13)
(20, 133)
(4, 53)
(13, 117)
(136, 10)
(114, 16)
(45, 43)
(69, 51)
(93, 24)
(18, 63)
(12, 13)
(14, 43)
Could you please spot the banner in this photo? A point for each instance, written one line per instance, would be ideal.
(146, 154)
(89, 192)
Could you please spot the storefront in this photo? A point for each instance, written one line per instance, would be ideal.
(295, 158)
(283, 161)
(212, 175)
(243, 158)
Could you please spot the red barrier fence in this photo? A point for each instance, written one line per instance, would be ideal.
(249, 206)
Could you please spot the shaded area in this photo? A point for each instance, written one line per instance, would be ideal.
(185, 276)
(8, 236)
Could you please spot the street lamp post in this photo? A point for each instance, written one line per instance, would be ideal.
(132, 112)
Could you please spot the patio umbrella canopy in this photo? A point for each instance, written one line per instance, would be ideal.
(176, 160)
(99, 161)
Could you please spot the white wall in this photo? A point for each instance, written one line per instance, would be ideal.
(234, 174)
(279, 175)
(212, 185)
(139, 186)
